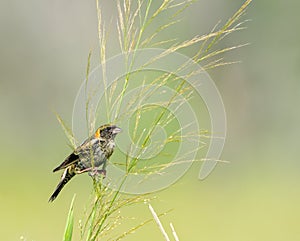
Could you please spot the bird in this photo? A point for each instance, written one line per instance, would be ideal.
(91, 156)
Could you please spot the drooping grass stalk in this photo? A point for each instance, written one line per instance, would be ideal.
(216, 36)
(229, 23)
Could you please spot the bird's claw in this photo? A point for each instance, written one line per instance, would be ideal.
(96, 173)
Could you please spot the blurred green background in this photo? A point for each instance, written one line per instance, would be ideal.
(43, 55)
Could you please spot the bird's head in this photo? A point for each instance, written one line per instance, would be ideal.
(107, 131)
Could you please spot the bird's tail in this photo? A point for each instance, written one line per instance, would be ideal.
(67, 175)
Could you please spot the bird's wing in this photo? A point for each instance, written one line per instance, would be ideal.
(80, 151)
(71, 159)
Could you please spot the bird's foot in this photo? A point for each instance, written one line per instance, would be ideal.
(96, 173)
(102, 172)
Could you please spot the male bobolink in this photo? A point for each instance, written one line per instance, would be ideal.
(89, 156)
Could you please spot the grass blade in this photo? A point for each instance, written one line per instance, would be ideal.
(70, 222)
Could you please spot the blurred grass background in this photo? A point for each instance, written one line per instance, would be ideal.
(43, 55)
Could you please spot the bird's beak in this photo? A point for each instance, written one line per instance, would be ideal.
(117, 130)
